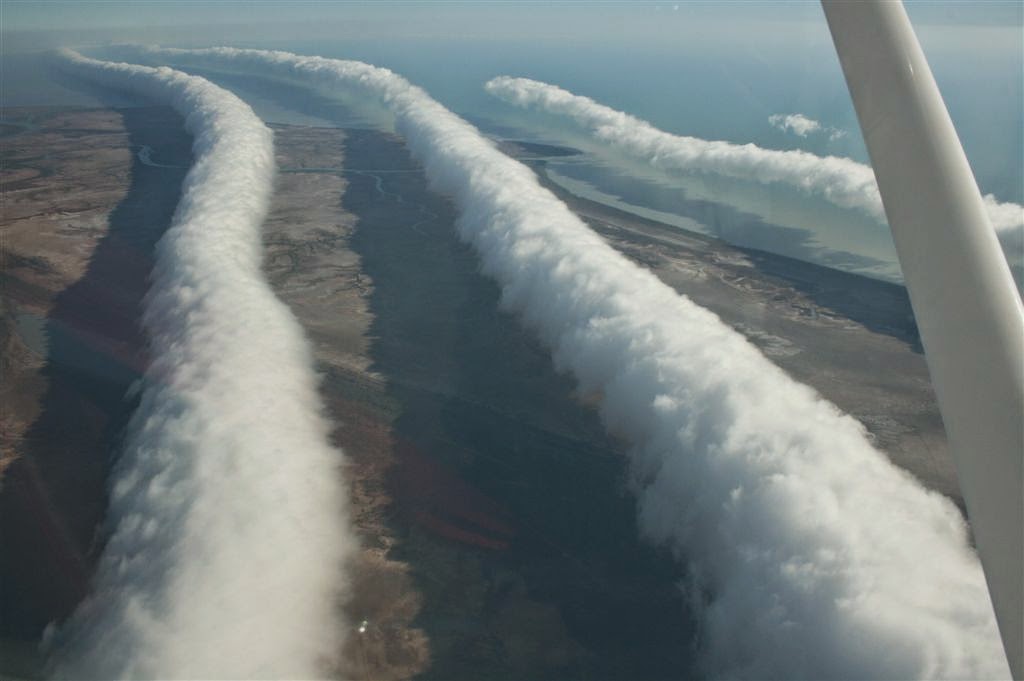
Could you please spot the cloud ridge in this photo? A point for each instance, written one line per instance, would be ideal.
(808, 554)
(841, 181)
(227, 513)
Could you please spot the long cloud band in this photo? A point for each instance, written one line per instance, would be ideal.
(842, 181)
(227, 511)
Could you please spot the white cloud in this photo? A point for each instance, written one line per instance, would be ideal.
(798, 124)
(228, 517)
(841, 181)
(807, 553)
(802, 126)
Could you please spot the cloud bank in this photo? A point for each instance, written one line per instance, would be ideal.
(841, 181)
(227, 514)
(807, 553)
(802, 126)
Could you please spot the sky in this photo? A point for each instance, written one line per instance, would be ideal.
(580, 21)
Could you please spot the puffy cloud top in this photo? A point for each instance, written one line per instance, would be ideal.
(798, 123)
